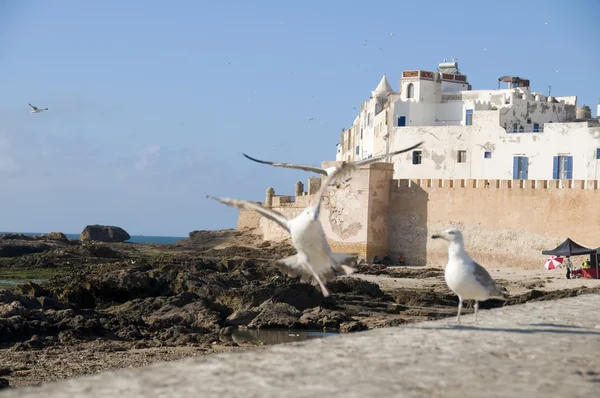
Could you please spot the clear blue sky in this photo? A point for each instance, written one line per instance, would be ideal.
(149, 100)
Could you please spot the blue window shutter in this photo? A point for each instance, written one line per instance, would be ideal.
(402, 121)
(525, 167)
(555, 168)
(569, 167)
(597, 153)
(357, 150)
(515, 167)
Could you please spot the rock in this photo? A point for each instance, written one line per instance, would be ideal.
(352, 326)
(187, 310)
(321, 318)
(32, 289)
(4, 371)
(238, 318)
(300, 295)
(130, 283)
(356, 286)
(12, 309)
(103, 233)
(4, 383)
(49, 303)
(276, 315)
(59, 236)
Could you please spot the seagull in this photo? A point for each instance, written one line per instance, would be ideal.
(312, 118)
(328, 171)
(466, 278)
(36, 109)
(391, 34)
(314, 257)
(365, 43)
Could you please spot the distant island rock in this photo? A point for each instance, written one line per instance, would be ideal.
(104, 233)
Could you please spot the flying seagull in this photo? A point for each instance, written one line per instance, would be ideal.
(329, 170)
(466, 278)
(314, 258)
(36, 109)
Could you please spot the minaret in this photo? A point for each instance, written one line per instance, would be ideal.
(383, 88)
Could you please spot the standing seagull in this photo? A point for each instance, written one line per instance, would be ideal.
(466, 278)
(36, 109)
(329, 170)
(314, 257)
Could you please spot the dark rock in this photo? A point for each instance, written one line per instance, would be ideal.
(4, 371)
(32, 289)
(49, 303)
(104, 233)
(4, 383)
(321, 318)
(12, 309)
(352, 326)
(59, 236)
(128, 284)
(187, 310)
(276, 315)
(299, 295)
(243, 317)
(355, 285)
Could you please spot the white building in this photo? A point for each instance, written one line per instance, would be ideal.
(510, 133)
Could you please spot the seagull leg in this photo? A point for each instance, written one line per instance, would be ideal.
(476, 308)
(460, 304)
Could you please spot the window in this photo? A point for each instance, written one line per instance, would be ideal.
(562, 169)
(361, 133)
(597, 153)
(521, 129)
(515, 127)
(417, 157)
(462, 157)
(469, 117)
(487, 155)
(410, 91)
(357, 149)
(528, 121)
(536, 127)
(401, 121)
(520, 167)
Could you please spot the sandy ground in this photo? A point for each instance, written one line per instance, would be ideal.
(516, 281)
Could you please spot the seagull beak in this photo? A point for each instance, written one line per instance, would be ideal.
(436, 236)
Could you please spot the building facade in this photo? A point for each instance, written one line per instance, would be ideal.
(510, 133)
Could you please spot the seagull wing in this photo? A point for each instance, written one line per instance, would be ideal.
(267, 213)
(486, 280)
(34, 107)
(313, 169)
(374, 159)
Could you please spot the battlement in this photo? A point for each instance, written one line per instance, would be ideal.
(434, 183)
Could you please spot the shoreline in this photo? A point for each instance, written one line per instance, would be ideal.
(122, 305)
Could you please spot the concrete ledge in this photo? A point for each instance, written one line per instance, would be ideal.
(544, 349)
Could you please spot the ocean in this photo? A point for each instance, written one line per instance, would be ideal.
(134, 238)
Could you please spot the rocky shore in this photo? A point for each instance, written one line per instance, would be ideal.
(115, 305)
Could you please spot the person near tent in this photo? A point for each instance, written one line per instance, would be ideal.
(586, 264)
(569, 265)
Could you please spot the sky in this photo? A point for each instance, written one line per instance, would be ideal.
(151, 103)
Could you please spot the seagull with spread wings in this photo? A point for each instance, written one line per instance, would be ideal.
(36, 109)
(314, 257)
(327, 171)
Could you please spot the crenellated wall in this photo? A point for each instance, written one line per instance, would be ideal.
(505, 222)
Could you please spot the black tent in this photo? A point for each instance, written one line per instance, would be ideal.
(569, 248)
